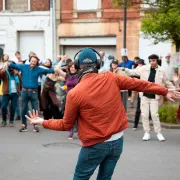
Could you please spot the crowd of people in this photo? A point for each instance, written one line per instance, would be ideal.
(147, 103)
(96, 104)
(30, 84)
(33, 84)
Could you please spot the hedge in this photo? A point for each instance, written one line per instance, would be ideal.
(168, 113)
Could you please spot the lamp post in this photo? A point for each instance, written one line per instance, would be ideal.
(124, 93)
(53, 20)
(125, 20)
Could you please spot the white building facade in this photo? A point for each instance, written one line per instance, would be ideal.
(26, 30)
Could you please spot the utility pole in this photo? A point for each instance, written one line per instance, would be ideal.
(124, 93)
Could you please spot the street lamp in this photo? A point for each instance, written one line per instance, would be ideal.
(53, 24)
(125, 20)
(124, 93)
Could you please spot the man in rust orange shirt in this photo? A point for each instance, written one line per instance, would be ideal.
(97, 104)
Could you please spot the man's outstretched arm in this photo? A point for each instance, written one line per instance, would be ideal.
(134, 84)
(65, 124)
(13, 66)
(126, 83)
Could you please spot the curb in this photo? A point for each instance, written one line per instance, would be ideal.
(163, 125)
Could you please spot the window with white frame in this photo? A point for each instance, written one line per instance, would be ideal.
(16, 5)
(87, 4)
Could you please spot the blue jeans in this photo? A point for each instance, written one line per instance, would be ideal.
(27, 96)
(105, 155)
(5, 101)
(18, 108)
(0, 101)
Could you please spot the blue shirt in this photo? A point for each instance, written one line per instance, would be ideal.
(128, 64)
(30, 76)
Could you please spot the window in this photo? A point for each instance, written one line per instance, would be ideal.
(16, 5)
(87, 4)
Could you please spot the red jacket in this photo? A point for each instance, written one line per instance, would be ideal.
(97, 104)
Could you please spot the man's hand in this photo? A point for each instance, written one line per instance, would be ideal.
(63, 58)
(173, 94)
(34, 118)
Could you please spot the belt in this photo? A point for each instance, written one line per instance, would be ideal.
(30, 89)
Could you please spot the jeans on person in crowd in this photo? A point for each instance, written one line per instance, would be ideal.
(0, 101)
(71, 132)
(18, 107)
(39, 97)
(28, 96)
(105, 155)
(5, 101)
(74, 129)
(138, 113)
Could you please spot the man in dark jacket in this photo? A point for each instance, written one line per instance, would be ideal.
(11, 90)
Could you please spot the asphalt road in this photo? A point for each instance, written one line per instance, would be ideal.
(49, 155)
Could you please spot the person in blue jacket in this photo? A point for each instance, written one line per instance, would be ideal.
(128, 63)
(30, 73)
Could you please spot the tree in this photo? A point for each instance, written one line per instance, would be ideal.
(161, 21)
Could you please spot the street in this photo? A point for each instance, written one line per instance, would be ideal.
(49, 155)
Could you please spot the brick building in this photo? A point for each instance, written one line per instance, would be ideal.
(25, 25)
(98, 24)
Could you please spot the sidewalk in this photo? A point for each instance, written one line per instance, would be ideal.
(131, 114)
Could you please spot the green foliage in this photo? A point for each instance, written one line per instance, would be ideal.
(120, 3)
(168, 113)
(152, 3)
(162, 26)
(164, 4)
(162, 19)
